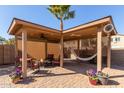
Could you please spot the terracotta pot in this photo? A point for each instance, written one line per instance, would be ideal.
(20, 68)
(15, 81)
(93, 82)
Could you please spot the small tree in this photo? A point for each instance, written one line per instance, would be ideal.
(61, 12)
(2, 39)
(10, 41)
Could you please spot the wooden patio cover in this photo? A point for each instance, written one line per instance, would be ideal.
(31, 31)
(36, 31)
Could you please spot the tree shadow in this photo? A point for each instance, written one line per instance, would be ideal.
(6, 69)
(40, 72)
(5, 72)
(117, 76)
(117, 67)
(47, 73)
(110, 82)
(79, 67)
(113, 82)
(27, 80)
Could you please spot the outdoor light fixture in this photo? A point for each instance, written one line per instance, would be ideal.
(42, 36)
(108, 28)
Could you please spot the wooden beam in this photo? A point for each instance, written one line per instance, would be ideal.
(99, 50)
(19, 31)
(78, 46)
(82, 37)
(24, 54)
(41, 40)
(109, 52)
(46, 49)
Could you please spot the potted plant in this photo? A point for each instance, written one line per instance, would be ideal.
(19, 68)
(91, 72)
(103, 78)
(93, 79)
(16, 76)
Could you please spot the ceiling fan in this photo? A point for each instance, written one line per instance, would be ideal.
(42, 36)
(75, 35)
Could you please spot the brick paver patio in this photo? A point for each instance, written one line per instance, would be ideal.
(71, 76)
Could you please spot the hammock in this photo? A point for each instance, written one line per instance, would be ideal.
(83, 59)
(69, 59)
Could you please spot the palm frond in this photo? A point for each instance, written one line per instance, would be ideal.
(50, 9)
(69, 15)
(61, 11)
(54, 13)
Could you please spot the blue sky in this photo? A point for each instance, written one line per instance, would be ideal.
(40, 15)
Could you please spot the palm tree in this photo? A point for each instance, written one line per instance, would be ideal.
(61, 12)
(10, 41)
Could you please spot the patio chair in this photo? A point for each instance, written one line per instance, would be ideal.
(35, 64)
(49, 60)
(56, 62)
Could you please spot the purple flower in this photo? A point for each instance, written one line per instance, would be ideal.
(91, 72)
(18, 71)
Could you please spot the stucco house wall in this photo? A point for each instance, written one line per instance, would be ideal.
(117, 43)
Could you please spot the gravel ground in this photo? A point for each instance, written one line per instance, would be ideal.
(71, 76)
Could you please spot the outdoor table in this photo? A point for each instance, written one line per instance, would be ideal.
(28, 59)
(56, 63)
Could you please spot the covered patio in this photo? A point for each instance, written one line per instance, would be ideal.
(28, 31)
(71, 76)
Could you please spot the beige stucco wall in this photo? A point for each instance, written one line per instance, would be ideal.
(118, 51)
(54, 48)
(118, 57)
(118, 45)
(37, 49)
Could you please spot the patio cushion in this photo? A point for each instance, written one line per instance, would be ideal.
(50, 57)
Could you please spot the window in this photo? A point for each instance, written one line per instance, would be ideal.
(117, 39)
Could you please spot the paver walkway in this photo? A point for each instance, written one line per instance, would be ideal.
(71, 76)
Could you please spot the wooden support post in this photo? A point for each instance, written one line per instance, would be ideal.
(99, 50)
(78, 46)
(45, 48)
(16, 49)
(109, 52)
(61, 51)
(16, 46)
(61, 43)
(24, 54)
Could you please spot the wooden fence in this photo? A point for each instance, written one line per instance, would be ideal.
(7, 54)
